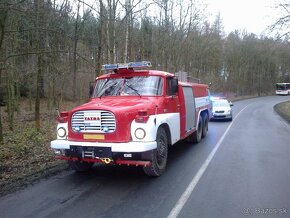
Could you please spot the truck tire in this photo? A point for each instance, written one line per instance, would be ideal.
(80, 166)
(196, 136)
(158, 156)
(205, 125)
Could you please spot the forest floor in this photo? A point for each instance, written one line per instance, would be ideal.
(25, 155)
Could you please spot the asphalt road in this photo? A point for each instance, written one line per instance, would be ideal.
(241, 169)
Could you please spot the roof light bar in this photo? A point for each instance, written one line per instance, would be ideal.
(141, 64)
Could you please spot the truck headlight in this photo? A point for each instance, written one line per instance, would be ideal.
(61, 132)
(140, 133)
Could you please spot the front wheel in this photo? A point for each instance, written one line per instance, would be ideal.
(159, 155)
(80, 166)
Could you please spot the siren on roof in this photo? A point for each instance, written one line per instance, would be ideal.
(131, 65)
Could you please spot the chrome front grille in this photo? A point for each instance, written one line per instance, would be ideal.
(93, 121)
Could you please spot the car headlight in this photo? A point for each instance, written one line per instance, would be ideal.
(61, 132)
(140, 133)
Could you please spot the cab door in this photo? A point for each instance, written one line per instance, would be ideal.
(171, 98)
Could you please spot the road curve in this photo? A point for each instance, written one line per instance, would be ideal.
(247, 175)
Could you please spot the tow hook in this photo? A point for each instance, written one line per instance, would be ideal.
(106, 160)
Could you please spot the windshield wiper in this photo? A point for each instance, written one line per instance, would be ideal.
(136, 91)
(107, 89)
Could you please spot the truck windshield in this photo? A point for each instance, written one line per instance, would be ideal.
(131, 86)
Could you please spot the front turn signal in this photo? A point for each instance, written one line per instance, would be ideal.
(142, 117)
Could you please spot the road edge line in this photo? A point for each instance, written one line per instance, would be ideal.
(186, 194)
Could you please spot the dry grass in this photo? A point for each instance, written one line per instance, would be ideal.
(25, 153)
(284, 110)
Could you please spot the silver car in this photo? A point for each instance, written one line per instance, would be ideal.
(221, 109)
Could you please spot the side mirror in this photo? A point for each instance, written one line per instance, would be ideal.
(91, 89)
(174, 85)
(231, 103)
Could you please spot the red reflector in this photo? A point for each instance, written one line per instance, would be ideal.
(64, 113)
(141, 119)
(142, 113)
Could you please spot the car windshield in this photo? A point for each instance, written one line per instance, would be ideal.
(220, 104)
(131, 86)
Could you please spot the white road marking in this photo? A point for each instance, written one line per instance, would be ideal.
(186, 194)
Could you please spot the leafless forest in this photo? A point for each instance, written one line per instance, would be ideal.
(51, 49)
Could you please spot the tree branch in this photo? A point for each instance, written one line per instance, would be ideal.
(45, 52)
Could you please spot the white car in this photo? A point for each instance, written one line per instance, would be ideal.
(221, 109)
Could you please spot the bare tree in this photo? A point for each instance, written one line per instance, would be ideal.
(100, 38)
(75, 44)
(282, 25)
(3, 16)
(39, 44)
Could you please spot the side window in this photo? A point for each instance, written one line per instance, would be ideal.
(168, 87)
(171, 86)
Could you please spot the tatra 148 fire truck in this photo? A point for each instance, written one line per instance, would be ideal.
(133, 116)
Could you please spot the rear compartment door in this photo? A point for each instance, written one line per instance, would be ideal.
(189, 108)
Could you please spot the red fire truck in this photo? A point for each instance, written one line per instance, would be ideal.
(133, 116)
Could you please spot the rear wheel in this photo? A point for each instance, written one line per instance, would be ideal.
(159, 155)
(204, 125)
(80, 166)
(196, 136)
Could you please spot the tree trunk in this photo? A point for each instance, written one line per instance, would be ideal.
(39, 4)
(75, 55)
(37, 98)
(100, 31)
(127, 7)
(114, 31)
(11, 99)
(3, 17)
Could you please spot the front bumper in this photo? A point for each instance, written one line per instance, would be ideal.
(115, 147)
(103, 152)
(221, 116)
(281, 92)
